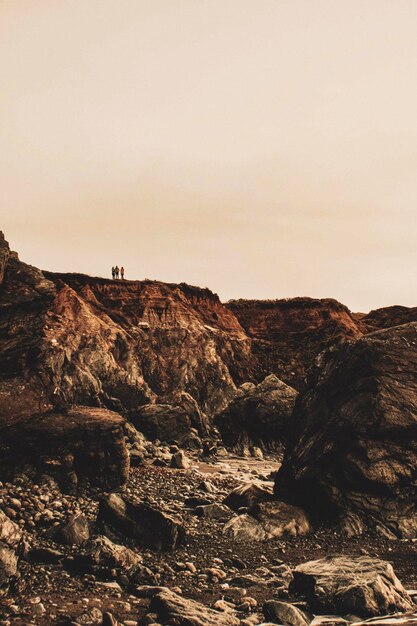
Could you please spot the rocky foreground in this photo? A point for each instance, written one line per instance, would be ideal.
(169, 459)
(170, 558)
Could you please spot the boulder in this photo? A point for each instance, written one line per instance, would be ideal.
(259, 415)
(214, 511)
(284, 613)
(360, 586)
(179, 460)
(10, 539)
(101, 554)
(171, 608)
(83, 441)
(246, 496)
(266, 521)
(147, 526)
(75, 531)
(163, 421)
(352, 446)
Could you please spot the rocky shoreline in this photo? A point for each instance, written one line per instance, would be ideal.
(166, 459)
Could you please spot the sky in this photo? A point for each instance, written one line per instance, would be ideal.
(262, 148)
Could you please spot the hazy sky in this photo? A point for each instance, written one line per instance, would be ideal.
(263, 148)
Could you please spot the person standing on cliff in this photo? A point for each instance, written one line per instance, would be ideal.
(113, 272)
(122, 273)
(116, 272)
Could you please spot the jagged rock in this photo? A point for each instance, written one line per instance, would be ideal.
(284, 613)
(258, 415)
(359, 585)
(353, 446)
(101, 557)
(180, 460)
(171, 608)
(84, 440)
(214, 511)
(10, 538)
(266, 521)
(148, 526)
(76, 531)
(246, 496)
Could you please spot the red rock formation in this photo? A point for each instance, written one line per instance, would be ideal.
(287, 335)
(68, 339)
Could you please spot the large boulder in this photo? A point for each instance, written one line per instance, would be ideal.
(10, 537)
(268, 520)
(147, 526)
(165, 422)
(259, 415)
(84, 441)
(353, 444)
(359, 585)
(171, 608)
(107, 560)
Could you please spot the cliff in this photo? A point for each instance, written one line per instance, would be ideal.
(287, 335)
(68, 338)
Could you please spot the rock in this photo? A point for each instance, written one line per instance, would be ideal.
(359, 585)
(85, 440)
(214, 511)
(266, 521)
(284, 613)
(171, 608)
(148, 526)
(180, 461)
(258, 415)
(287, 335)
(75, 532)
(101, 557)
(353, 447)
(246, 496)
(163, 421)
(10, 539)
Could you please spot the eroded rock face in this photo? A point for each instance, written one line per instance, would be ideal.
(287, 335)
(72, 339)
(360, 586)
(10, 537)
(85, 441)
(258, 415)
(353, 445)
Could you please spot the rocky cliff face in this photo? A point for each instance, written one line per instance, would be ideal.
(287, 335)
(68, 339)
(352, 447)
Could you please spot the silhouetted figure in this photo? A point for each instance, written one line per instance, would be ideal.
(113, 272)
(116, 272)
(122, 273)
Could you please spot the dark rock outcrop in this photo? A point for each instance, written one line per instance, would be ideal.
(147, 526)
(360, 586)
(85, 441)
(258, 415)
(353, 445)
(164, 422)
